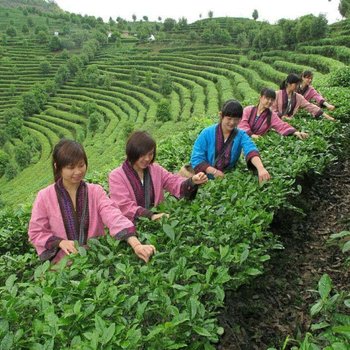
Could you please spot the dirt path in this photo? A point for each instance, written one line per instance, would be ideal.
(278, 303)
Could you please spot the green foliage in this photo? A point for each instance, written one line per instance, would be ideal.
(23, 155)
(95, 121)
(169, 24)
(11, 171)
(4, 161)
(163, 110)
(45, 67)
(165, 84)
(134, 76)
(331, 329)
(11, 113)
(255, 14)
(344, 8)
(11, 31)
(55, 43)
(340, 77)
(14, 128)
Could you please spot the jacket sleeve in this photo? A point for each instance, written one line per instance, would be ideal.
(280, 126)
(39, 231)
(121, 196)
(244, 124)
(119, 226)
(177, 185)
(249, 148)
(275, 104)
(310, 107)
(199, 157)
(314, 95)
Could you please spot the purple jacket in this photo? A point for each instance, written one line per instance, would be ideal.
(123, 195)
(46, 220)
(310, 93)
(261, 127)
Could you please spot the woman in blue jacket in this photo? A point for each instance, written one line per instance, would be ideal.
(219, 146)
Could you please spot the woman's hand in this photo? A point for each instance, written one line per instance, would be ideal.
(144, 251)
(215, 172)
(199, 178)
(329, 106)
(301, 135)
(158, 216)
(326, 116)
(263, 175)
(68, 246)
(255, 136)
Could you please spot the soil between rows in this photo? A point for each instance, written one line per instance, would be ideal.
(277, 304)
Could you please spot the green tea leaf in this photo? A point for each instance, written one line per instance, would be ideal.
(346, 247)
(108, 334)
(202, 331)
(324, 286)
(169, 231)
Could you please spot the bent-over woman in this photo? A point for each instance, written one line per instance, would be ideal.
(139, 184)
(258, 120)
(72, 210)
(309, 92)
(219, 146)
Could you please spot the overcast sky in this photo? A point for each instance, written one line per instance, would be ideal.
(270, 10)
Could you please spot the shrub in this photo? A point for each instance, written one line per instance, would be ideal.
(45, 67)
(23, 155)
(340, 77)
(163, 110)
(11, 171)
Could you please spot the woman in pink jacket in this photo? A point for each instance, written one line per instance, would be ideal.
(72, 210)
(309, 91)
(258, 120)
(139, 183)
(288, 101)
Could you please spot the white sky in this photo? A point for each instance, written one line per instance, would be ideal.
(270, 10)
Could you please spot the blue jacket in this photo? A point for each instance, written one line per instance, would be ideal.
(204, 147)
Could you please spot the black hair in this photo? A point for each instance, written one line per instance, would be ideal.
(232, 108)
(292, 78)
(267, 92)
(67, 152)
(139, 144)
(307, 74)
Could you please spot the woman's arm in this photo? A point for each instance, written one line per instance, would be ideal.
(40, 233)
(120, 227)
(263, 174)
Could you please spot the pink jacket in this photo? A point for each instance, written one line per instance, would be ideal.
(300, 102)
(46, 220)
(261, 127)
(311, 94)
(123, 195)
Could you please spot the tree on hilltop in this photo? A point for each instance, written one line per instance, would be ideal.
(210, 14)
(169, 24)
(344, 8)
(255, 14)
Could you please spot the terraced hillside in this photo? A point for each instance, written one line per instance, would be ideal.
(202, 77)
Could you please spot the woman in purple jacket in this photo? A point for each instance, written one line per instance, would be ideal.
(309, 92)
(72, 210)
(139, 183)
(258, 120)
